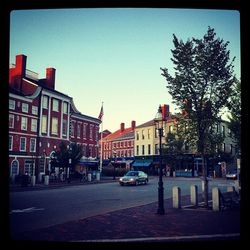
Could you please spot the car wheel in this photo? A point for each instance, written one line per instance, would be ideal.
(146, 182)
(136, 182)
(121, 184)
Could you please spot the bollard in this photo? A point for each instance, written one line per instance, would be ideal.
(216, 199)
(33, 180)
(46, 180)
(98, 176)
(194, 195)
(176, 197)
(89, 177)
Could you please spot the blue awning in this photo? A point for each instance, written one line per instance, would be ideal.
(89, 163)
(142, 163)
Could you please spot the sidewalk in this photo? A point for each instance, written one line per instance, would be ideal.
(142, 224)
(57, 184)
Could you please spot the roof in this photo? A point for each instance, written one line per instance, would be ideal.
(118, 134)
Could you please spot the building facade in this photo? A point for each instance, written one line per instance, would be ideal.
(40, 118)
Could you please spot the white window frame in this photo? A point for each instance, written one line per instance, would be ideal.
(34, 141)
(34, 110)
(24, 121)
(12, 104)
(10, 142)
(54, 127)
(78, 130)
(45, 102)
(33, 125)
(55, 105)
(20, 147)
(44, 124)
(25, 107)
(11, 169)
(12, 119)
(64, 127)
(65, 108)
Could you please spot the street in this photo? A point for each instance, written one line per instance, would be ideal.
(31, 210)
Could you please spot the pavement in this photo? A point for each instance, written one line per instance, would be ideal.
(143, 224)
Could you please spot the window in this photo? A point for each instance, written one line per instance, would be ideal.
(11, 121)
(137, 135)
(15, 167)
(34, 110)
(10, 142)
(156, 149)
(24, 123)
(72, 129)
(64, 128)
(149, 149)
(143, 150)
(96, 134)
(28, 166)
(32, 145)
(84, 131)
(12, 104)
(90, 150)
(55, 105)
(54, 126)
(78, 130)
(33, 125)
(142, 134)
(22, 144)
(45, 102)
(148, 133)
(91, 132)
(137, 149)
(65, 108)
(25, 107)
(44, 124)
(223, 130)
(84, 149)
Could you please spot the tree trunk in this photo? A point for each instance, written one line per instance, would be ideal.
(205, 180)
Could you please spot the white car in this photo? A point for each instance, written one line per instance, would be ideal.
(134, 178)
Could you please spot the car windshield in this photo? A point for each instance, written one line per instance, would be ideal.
(131, 173)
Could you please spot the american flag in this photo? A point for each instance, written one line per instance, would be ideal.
(101, 113)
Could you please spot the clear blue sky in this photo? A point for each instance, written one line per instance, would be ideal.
(114, 55)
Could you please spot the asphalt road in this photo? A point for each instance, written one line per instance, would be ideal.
(31, 210)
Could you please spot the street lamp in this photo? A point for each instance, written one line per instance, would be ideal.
(114, 152)
(158, 121)
(70, 161)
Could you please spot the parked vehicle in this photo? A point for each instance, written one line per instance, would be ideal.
(134, 178)
(232, 175)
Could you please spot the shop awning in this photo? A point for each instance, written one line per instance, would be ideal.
(142, 163)
(89, 163)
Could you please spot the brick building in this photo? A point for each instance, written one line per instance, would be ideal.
(40, 119)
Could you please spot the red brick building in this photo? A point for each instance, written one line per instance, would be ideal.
(40, 118)
(119, 146)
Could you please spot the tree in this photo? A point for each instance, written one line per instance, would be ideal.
(234, 106)
(73, 151)
(201, 86)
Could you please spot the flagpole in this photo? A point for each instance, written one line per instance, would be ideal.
(101, 144)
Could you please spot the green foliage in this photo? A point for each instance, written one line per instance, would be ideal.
(201, 85)
(234, 106)
(66, 152)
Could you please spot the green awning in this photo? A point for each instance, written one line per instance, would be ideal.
(142, 163)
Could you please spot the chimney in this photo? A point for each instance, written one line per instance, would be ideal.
(50, 78)
(122, 127)
(16, 74)
(133, 125)
(20, 65)
(165, 111)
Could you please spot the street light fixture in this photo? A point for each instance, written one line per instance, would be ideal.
(114, 152)
(158, 121)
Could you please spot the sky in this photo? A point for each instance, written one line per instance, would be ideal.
(114, 55)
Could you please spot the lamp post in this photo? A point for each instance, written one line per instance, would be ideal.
(159, 126)
(114, 152)
(70, 161)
